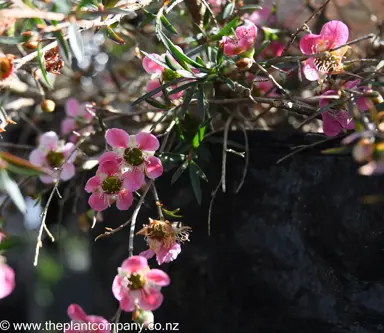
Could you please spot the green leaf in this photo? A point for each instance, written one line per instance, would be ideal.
(172, 213)
(178, 172)
(171, 157)
(228, 10)
(20, 162)
(156, 90)
(165, 114)
(183, 87)
(180, 57)
(62, 6)
(263, 45)
(10, 40)
(167, 25)
(201, 102)
(199, 136)
(63, 45)
(250, 7)
(22, 171)
(195, 181)
(337, 151)
(114, 37)
(9, 185)
(76, 42)
(156, 104)
(86, 3)
(226, 30)
(220, 56)
(40, 58)
(188, 95)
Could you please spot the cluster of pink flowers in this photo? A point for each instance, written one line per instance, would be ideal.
(78, 119)
(123, 170)
(7, 275)
(78, 316)
(336, 120)
(333, 34)
(52, 154)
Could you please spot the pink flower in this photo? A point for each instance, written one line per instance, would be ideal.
(332, 35)
(79, 317)
(151, 66)
(335, 120)
(245, 37)
(50, 155)
(164, 240)
(138, 285)
(261, 17)
(107, 186)
(7, 279)
(153, 84)
(77, 117)
(274, 49)
(135, 155)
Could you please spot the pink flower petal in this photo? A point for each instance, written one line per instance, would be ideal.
(46, 179)
(37, 157)
(75, 312)
(331, 126)
(92, 184)
(152, 85)
(309, 44)
(362, 103)
(336, 32)
(152, 67)
(150, 300)
(68, 150)
(117, 287)
(72, 107)
(133, 180)
(310, 71)
(124, 200)
(246, 35)
(49, 140)
(147, 141)
(67, 126)
(109, 167)
(117, 138)
(68, 171)
(7, 280)
(351, 84)
(98, 202)
(148, 254)
(158, 277)
(134, 264)
(153, 167)
(167, 255)
(110, 156)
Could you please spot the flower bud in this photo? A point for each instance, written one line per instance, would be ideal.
(374, 96)
(244, 63)
(30, 45)
(6, 66)
(363, 150)
(48, 105)
(27, 35)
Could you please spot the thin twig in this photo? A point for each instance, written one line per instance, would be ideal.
(225, 145)
(246, 163)
(158, 203)
(214, 193)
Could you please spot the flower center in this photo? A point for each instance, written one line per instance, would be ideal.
(136, 281)
(133, 156)
(327, 64)
(55, 159)
(111, 185)
(5, 67)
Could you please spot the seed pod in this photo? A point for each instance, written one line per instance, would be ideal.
(48, 105)
(244, 63)
(30, 45)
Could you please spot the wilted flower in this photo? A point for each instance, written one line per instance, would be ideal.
(53, 61)
(332, 35)
(77, 118)
(107, 186)
(7, 279)
(51, 154)
(164, 239)
(335, 120)
(245, 37)
(274, 49)
(79, 317)
(135, 155)
(138, 285)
